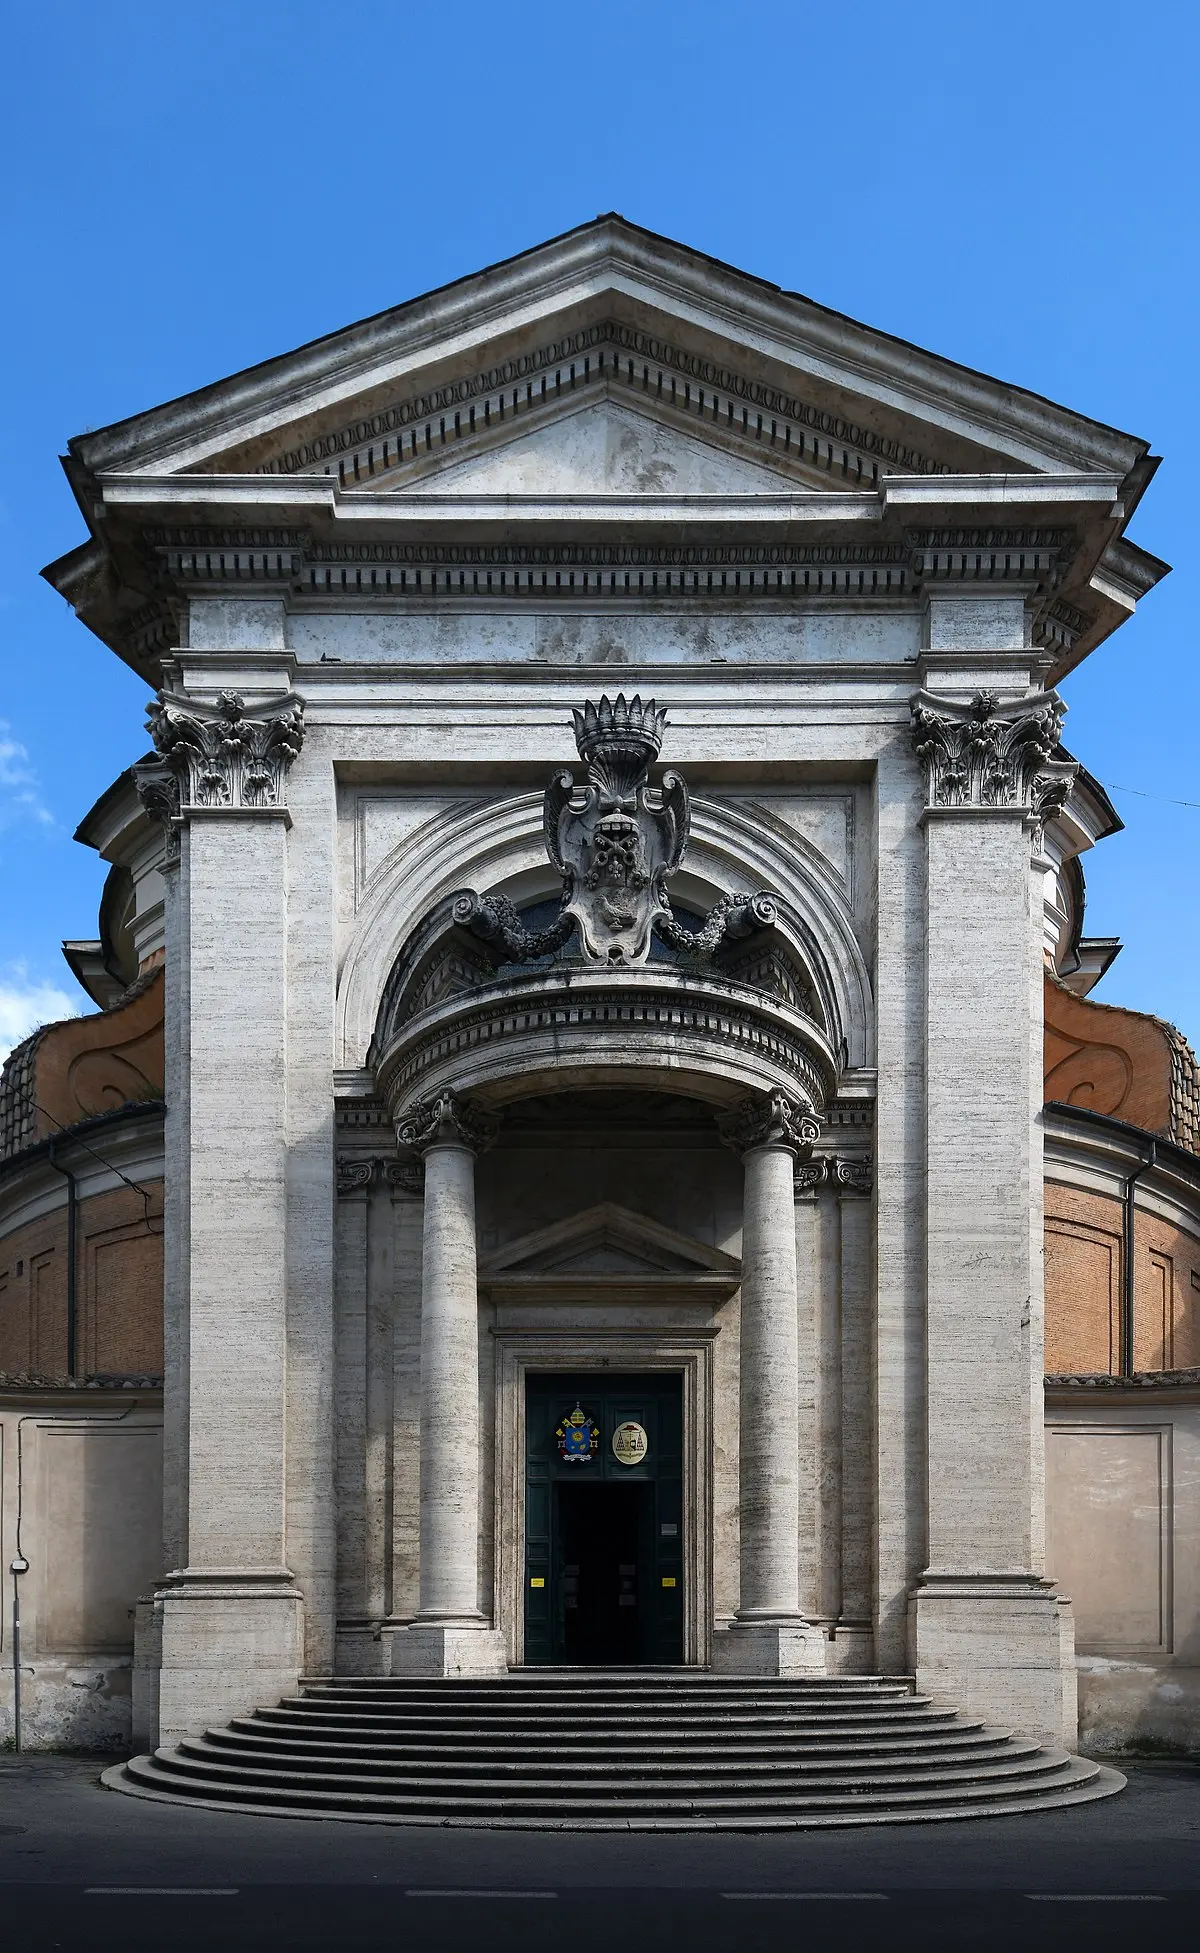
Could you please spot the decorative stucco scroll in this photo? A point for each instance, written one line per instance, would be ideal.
(359, 1174)
(447, 1120)
(771, 1119)
(983, 754)
(844, 1174)
(158, 790)
(225, 755)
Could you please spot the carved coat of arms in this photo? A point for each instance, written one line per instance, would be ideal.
(617, 844)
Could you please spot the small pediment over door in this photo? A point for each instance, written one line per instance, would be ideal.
(604, 1253)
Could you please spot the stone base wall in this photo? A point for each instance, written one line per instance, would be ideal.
(1123, 1541)
(69, 1706)
(85, 1466)
(1132, 1708)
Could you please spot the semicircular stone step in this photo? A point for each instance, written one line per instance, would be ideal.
(641, 1752)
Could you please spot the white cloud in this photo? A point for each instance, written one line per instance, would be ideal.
(25, 1003)
(20, 798)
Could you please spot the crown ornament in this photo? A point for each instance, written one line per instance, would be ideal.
(618, 742)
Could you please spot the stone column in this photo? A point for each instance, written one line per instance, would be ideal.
(770, 1635)
(450, 1635)
(989, 1631)
(226, 1627)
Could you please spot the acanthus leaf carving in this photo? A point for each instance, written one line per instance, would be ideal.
(228, 755)
(984, 754)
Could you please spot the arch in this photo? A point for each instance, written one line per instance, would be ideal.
(499, 846)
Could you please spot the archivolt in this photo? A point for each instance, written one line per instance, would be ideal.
(499, 846)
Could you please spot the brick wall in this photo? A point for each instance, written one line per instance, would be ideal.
(119, 1292)
(1084, 1286)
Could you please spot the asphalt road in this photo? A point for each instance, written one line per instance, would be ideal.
(81, 1867)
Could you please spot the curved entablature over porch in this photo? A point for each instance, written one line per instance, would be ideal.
(655, 1029)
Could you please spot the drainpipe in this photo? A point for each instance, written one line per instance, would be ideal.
(72, 1297)
(17, 1566)
(1128, 1271)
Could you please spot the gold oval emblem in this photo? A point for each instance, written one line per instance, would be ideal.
(630, 1444)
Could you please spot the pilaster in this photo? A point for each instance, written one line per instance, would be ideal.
(228, 1626)
(987, 1623)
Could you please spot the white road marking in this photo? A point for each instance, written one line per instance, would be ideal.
(804, 1895)
(471, 1892)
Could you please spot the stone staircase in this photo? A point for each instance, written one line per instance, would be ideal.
(564, 1749)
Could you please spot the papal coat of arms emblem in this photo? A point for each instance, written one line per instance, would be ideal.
(578, 1437)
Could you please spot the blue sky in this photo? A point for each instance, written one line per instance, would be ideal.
(191, 189)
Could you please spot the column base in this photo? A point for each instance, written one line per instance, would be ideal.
(1001, 1647)
(758, 1648)
(211, 1645)
(433, 1652)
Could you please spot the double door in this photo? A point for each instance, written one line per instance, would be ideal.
(604, 1519)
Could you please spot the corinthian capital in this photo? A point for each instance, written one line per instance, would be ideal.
(770, 1120)
(447, 1120)
(224, 755)
(984, 754)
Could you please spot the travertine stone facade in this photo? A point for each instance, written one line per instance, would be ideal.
(460, 1026)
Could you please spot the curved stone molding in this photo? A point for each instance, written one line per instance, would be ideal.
(223, 755)
(775, 1120)
(446, 1119)
(730, 846)
(560, 1030)
(982, 754)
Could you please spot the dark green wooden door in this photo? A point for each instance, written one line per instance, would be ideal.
(603, 1525)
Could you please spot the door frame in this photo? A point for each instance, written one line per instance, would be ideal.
(687, 1353)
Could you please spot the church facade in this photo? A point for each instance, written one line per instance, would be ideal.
(607, 875)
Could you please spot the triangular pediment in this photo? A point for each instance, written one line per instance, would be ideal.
(608, 380)
(602, 449)
(609, 303)
(609, 1240)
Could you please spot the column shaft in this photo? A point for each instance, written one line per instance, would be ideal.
(449, 1392)
(770, 1491)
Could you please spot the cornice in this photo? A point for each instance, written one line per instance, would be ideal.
(1147, 1388)
(613, 256)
